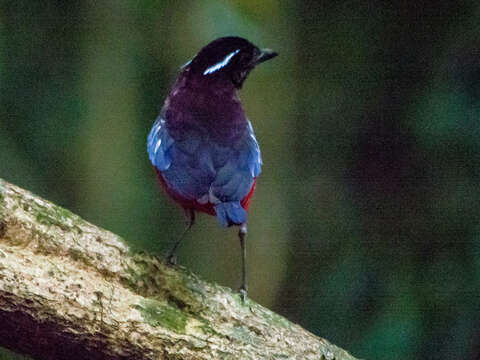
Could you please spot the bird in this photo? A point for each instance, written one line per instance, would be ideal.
(202, 146)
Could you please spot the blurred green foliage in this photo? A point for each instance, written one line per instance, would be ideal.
(365, 224)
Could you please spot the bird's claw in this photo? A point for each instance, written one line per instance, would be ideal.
(171, 259)
(243, 294)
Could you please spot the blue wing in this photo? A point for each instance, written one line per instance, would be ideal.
(159, 144)
(234, 178)
(198, 168)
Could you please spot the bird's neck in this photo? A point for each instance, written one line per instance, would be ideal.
(215, 107)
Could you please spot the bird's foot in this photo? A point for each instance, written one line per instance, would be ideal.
(171, 259)
(243, 293)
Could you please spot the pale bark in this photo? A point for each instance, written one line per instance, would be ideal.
(70, 290)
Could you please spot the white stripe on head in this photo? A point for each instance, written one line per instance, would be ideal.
(220, 64)
(186, 64)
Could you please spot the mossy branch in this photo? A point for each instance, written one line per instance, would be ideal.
(69, 289)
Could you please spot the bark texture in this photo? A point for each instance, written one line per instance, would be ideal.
(70, 290)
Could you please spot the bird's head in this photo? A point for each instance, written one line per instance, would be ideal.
(227, 59)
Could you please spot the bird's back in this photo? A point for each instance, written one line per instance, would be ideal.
(205, 152)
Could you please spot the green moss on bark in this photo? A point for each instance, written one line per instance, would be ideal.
(156, 313)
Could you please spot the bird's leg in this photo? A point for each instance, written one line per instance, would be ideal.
(171, 258)
(242, 235)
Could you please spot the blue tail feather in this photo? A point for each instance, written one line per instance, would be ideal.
(230, 213)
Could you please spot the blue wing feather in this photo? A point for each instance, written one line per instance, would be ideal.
(234, 180)
(158, 145)
(254, 156)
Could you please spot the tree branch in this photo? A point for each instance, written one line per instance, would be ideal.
(70, 290)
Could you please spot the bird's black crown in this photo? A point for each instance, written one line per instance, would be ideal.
(228, 58)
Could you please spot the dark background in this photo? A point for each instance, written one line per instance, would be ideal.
(364, 228)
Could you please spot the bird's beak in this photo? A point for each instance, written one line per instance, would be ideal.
(265, 54)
